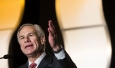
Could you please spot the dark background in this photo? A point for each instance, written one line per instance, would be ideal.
(40, 11)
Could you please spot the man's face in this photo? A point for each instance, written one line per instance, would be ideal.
(28, 40)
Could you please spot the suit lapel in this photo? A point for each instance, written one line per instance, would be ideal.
(26, 65)
(46, 62)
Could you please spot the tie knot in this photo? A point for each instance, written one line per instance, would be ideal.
(33, 65)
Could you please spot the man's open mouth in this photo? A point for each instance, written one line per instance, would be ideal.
(28, 46)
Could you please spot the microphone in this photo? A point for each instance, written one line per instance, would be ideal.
(7, 56)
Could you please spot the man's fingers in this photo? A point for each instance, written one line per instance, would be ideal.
(51, 23)
(50, 33)
(51, 26)
(49, 30)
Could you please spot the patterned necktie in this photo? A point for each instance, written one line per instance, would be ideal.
(33, 65)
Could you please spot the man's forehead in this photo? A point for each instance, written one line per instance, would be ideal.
(27, 29)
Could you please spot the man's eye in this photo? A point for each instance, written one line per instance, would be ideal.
(21, 38)
(31, 34)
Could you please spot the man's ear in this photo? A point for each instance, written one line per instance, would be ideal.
(43, 40)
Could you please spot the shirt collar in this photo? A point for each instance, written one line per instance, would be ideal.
(38, 60)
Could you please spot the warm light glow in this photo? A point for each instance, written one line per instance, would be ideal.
(79, 13)
(85, 33)
(11, 12)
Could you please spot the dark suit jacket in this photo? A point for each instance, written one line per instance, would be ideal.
(51, 62)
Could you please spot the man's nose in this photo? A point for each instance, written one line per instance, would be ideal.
(27, 39)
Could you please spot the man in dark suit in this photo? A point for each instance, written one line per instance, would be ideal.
(32, 43)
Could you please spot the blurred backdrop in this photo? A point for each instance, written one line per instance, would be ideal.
(85, 29)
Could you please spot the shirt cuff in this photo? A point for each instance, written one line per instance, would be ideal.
(60, 55)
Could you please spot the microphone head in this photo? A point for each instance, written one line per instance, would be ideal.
(8, 56)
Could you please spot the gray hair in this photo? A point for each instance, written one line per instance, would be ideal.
(38, 29)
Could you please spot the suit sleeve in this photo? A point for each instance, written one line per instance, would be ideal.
(64, 60)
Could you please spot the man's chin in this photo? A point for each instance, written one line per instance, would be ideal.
(29, 53)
